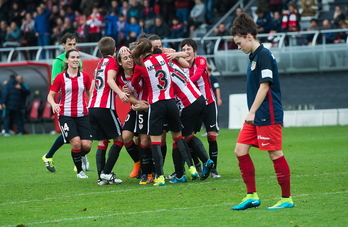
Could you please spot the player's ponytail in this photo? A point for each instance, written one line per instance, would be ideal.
(143, 48)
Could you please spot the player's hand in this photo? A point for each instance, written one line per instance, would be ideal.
(124, 97)
(250, 118)
(56, 108)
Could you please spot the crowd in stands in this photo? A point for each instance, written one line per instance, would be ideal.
(41, 23)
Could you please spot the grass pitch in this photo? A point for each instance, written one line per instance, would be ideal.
(32, 196)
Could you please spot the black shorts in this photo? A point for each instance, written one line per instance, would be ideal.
(75, 126)
(160, 112)
(210, 117)
(192, 116)
(142, 122)
(105, 123)
(130, 122)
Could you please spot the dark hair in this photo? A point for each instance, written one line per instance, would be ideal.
(144, 47)
(67, 55)
(67, 36)
(243, 25)
(106, 45)
(153, 37)
(189, 42)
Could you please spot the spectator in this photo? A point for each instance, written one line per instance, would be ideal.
(42, 27)
(342, 36)
(54, 15)
(110, 22)
(28, 35)
(328, 37)
(197, 16)
(177, 30)
(4, 9)
(121, 24)
(15, 14)
(86, 6)
(182, 10)
(68, 27)
(12, 102)
(133, 26)
(82, 30)
(276, 6)
(25, 92)
(3, 32)
(276, 22)
(70, 13)
(148, 13)
(314, 26)
(161, 28)
(124, 8)
(131, 37)
(222, 31)
(94, 22)
(263, 21)
(13, 36)
(57, 31)
(114, 7)
(237, 13)
(291, 19)
(134, 10)
(146, 26)
(210, 11)
(338, 15)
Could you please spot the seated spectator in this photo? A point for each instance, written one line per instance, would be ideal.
(13, 36)
(314, 26)
(338, 15)
(328, 37)
(342, 37)
(197, 16)
(264, 21)
(161, 28)
(291, 19)
(276, 22)
(222, 31)
(177, 30)
(132, 26)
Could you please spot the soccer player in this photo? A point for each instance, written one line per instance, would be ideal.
(154, 69)
(69, 42)
(103, 117)
(198, 73)
(263, 124)
(72, 108)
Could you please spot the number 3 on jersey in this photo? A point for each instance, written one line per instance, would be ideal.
(162, 79)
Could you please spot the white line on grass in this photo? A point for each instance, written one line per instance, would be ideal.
(161, 210)
(142, 188)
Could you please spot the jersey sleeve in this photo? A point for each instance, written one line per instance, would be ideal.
(201, 64)
(265, 62)
(57, 82)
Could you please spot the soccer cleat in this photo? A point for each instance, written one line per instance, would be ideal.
(135, 170)
(102, 182)
(143, 179)
(160, 181)
(178, 180)
(249, 201)
(193, 172)
(171, 176)
(283, 203)
(115, 180)
(149, 178)
(81, 175)
(107, 177)
(85, 163)
(214, 174)
(48, 163)
(207, 169)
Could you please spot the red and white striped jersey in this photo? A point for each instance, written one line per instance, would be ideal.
(138, 91)
(157, 77)
(102, 95)
(73, 99)
(198, 73)
(185, 90)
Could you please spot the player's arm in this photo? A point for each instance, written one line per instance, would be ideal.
(198, 73)
(112, 83)
(218, 97)
(260, 96)
(50, 99)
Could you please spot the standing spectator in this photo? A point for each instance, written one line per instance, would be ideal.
(210, 11)
(291, 20)
(146, 26)
(121, 24)
(28, 35)
(338, 15)
(54, 15)
(263, 21)
(4, 9)
(177, 30)
(263, 123)
(67, 26)
(132, 26)
(82, 29)
(72, 84)
(110, 21)
(11, 102)
(328, 37)
(124, 8)
(135, 10)
(15, 14)
(94, 21)
(86, 6)
(57, 31)
(42, 27)
(3, 32)
(25, 92)
(114, 7)
(197, 16)
(182, 10)
(161, 28)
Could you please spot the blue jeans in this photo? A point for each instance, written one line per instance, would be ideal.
(43, 40)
